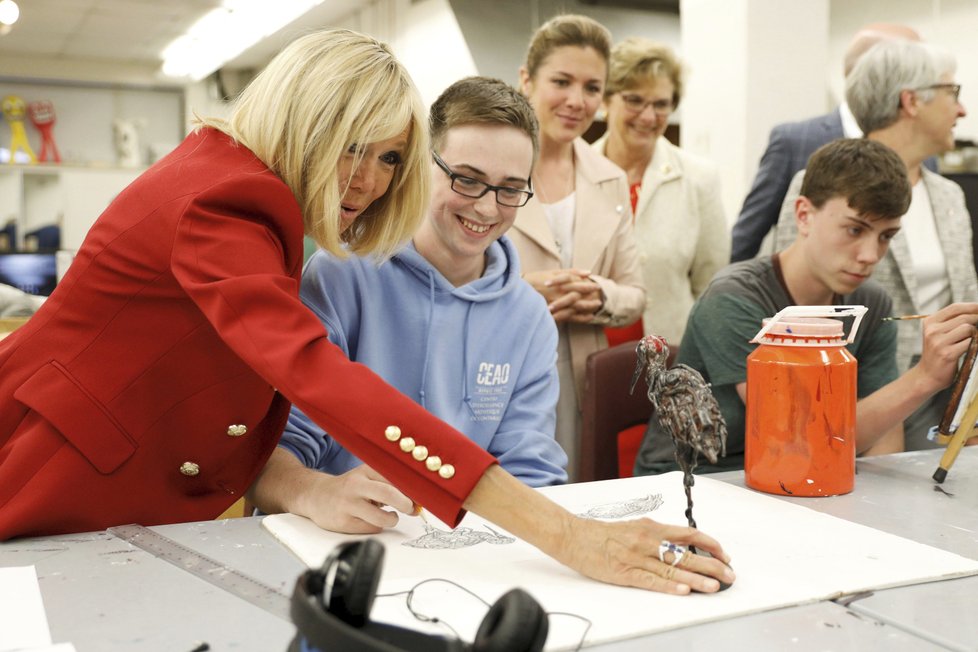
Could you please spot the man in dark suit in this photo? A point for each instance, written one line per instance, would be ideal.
(791, 144)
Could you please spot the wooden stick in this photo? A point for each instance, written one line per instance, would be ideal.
(965, 431)
(957, 391)
(967, 426)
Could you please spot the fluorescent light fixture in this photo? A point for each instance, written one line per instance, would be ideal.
(225, 32)
(9, 12)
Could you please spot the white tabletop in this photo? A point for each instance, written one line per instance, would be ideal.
(103, 595)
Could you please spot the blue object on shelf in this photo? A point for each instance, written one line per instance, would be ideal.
(48, 238)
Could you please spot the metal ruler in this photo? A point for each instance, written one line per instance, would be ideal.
(220, 575)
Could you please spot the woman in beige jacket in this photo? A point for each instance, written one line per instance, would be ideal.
(574, 237)
(680, 228)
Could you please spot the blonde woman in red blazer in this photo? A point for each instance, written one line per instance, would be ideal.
(155, 382)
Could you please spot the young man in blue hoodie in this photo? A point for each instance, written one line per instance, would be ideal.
(447, 320)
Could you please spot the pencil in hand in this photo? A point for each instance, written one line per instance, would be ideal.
(419, 511)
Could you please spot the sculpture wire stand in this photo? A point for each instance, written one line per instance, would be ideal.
(685, 408)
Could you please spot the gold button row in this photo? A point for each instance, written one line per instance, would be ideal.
(191, 469)
(433, 463)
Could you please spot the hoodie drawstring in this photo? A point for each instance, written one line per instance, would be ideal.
(465, 356)
(427, 339)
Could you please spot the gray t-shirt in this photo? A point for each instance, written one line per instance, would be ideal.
(717, 342)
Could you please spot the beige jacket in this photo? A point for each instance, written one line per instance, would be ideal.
(603, 244)
(681, 233)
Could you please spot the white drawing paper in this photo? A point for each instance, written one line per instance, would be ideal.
(784, 554)
(23, 623)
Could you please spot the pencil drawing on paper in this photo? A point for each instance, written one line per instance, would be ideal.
(623, 508)
(463, 537)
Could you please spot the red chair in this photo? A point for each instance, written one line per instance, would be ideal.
(614, 420)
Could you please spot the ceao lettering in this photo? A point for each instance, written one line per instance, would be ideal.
(492, 374)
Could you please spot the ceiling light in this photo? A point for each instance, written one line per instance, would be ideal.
(9, 12)
(225, 32)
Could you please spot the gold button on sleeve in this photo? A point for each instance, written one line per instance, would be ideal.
(407, 444)
(420, 453)
(393, 433)
(190, 468)
(433, 463)
(446, 471)
(237, 430)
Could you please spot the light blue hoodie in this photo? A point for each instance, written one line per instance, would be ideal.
(481, 357)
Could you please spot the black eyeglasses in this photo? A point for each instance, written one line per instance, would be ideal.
(953, 89)
(473, 188)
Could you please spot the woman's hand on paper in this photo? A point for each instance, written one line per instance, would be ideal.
(623, 552)
(627, 553)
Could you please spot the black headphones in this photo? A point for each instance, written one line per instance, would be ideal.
(331, 609)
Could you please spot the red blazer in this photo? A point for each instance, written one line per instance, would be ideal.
(179, 319)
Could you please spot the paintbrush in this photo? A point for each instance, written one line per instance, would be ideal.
(903, 317)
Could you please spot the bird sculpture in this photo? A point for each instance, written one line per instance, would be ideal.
(686, 410)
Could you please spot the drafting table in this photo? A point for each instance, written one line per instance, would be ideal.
(103, 595)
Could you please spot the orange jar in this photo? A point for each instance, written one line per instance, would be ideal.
(800, 428)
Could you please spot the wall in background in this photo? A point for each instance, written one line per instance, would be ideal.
(423, 34)
(85, 112)
(747, 77)
(442, 40)
(947, 23)
(497, 33)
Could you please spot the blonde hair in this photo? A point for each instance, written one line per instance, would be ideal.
(568, 29)
(322, 94)
(638, 60)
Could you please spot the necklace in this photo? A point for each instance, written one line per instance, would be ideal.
(562, 187)
(555, 177)
(560, 217)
